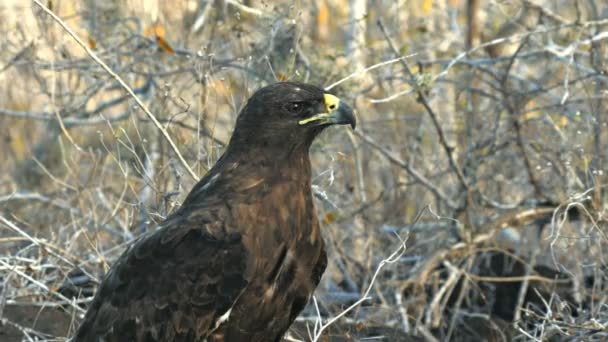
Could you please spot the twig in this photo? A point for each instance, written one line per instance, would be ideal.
(123, 84)
(433, 313)
(44, 287)
(368, 69)
(35, 241)
(34, 196)
(545, 12)
(394, 257)
(393, 96)
(58, 115)
(424, 101)
(405, 165)
(402, 311)
(25, 331)
(246, 9)
(523, 290)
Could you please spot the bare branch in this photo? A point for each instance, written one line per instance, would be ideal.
(123, 85)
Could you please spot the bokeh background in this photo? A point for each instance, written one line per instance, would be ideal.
(470, 204)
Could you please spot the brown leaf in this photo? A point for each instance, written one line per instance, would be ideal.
(329, 218)
(164, 45)
(157, 32)
(92, 43)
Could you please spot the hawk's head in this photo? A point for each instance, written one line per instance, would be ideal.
(289, 114)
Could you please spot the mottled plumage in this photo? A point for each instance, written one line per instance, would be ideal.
(241, 257)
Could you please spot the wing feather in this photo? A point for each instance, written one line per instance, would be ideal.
(203, 273)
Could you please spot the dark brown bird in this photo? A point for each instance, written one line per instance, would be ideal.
(243, 254)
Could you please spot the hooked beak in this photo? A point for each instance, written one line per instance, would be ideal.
(336, 113)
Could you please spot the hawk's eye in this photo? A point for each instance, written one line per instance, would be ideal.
(295, 107)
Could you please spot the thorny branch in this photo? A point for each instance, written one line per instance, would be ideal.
(424, 101)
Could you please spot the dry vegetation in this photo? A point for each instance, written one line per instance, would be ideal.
(481, 145)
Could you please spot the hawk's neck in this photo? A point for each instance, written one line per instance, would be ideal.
(254, 172)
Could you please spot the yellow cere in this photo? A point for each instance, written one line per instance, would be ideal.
(332, 103)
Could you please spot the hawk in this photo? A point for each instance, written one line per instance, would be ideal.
(243, 254)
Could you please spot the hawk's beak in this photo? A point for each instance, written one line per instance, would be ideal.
(336, 113)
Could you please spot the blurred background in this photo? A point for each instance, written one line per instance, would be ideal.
(481, 146)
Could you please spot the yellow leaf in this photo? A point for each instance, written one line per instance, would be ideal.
(159, 31)
(427, 6)
(323, 22)
(19, 146)
(535, 114)
(155, 31)
(323, 15)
